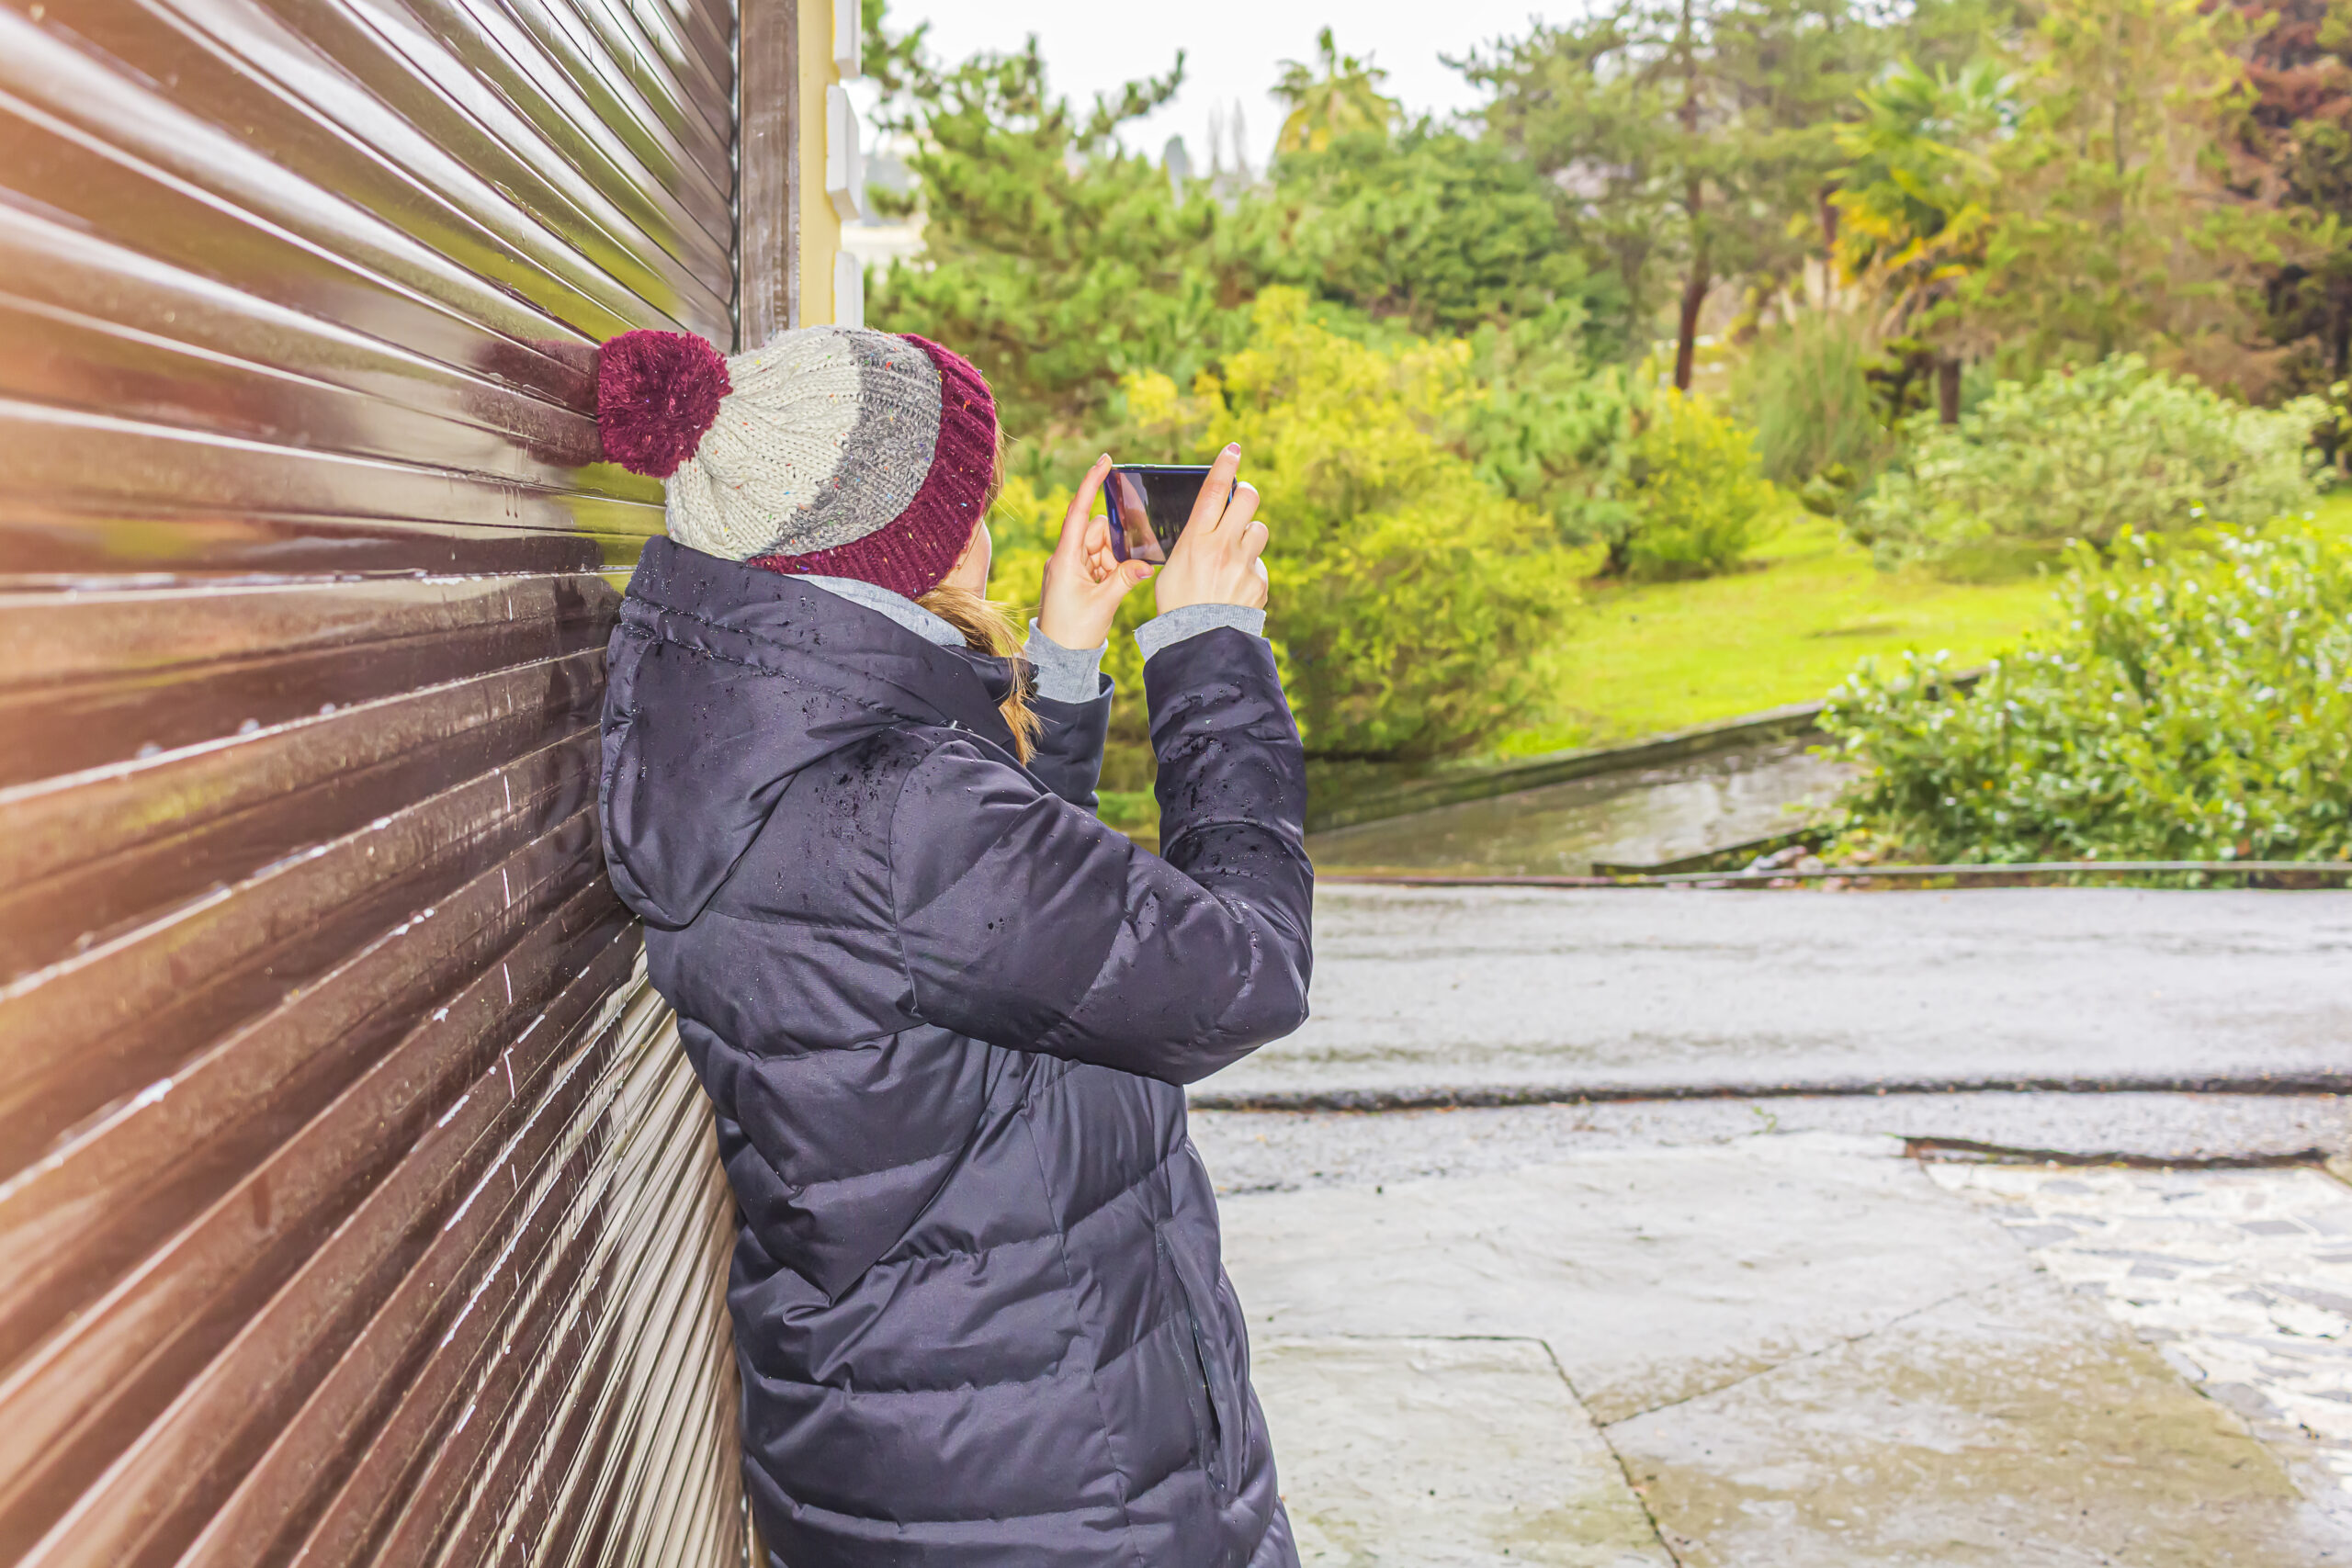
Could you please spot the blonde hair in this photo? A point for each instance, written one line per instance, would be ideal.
(989, 628)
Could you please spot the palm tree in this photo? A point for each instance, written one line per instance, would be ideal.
(1345, 97)
(1915, 205)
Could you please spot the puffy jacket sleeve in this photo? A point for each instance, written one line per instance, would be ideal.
(1070, 743)
(1027, 923)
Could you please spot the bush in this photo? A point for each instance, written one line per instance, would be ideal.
(1688, 498)
(1544, 424)
(1807, 387)
(2191, 703)
(2084, 456)
(1409, 595)
(1669, 484)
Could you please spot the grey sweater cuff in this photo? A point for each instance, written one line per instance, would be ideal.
(1175, 626)
(1064, 674)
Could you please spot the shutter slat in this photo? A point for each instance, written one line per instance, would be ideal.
(360, 1205)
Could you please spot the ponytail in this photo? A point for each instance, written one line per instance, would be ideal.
(986, 628)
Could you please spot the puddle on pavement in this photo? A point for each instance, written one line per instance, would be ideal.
(1641, 818)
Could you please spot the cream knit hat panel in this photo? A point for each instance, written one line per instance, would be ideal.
(826, 437)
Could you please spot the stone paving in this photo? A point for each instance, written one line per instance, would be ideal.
(2241, 1279)
(1787, 1346)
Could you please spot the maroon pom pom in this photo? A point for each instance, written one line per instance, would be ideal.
(656, 396)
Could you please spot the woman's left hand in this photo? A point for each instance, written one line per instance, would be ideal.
(1084, 583)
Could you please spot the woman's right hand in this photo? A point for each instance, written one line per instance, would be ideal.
(1215, 560)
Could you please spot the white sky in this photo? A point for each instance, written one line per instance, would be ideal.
(1233, 49)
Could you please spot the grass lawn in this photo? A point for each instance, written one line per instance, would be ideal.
(1652, 656)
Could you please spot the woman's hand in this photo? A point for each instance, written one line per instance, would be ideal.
(1216, 559)
(1084, 583)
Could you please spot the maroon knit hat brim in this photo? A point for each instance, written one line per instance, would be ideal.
(913, 552)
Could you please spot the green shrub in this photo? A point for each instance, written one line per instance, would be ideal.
(2084, 456)
(1410, 596)
(1688, 498)
(1806, 386)
(1543, 422)
(2191, 702)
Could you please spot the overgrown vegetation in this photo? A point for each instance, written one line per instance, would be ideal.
(2191, 703)
(2085, 457)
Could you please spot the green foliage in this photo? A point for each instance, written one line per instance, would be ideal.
(1667, 483)
(1806, 385)
(1342, 99)
(1695, 132)
(1689, 499)
(2084, 456)
(1439, 232)
(1546, 426)
(2300, 66)
(1055, 260)
(1916, 208)
(2191, 705)
(1061, 264)
(1408, 596)
(2118, 223)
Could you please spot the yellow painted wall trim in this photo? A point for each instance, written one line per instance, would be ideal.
(821, 226)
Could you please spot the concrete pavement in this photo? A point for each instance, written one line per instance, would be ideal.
(1722, 1331)
(1513, 993)
(1775, 1347)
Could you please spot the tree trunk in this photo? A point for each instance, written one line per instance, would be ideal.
(1694, 200)
(1948, 390)
(1686, 341)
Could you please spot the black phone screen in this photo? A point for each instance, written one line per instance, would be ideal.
(1149, 504)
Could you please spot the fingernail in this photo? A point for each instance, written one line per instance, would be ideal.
(1105, 458)
(1233, 449)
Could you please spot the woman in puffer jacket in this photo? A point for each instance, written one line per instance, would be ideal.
(944, 1014)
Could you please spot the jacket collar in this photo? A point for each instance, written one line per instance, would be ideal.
(787, 628)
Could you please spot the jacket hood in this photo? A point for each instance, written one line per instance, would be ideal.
(724, 681)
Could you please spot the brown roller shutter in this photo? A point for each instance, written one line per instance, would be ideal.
(356, 1201)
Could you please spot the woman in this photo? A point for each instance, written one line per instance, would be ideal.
(941, 1011)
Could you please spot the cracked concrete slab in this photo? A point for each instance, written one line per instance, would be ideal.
(2241, 1279)
(1443, 1453)
(1654, 1275)
(2013, 1426)
(1808, 1348)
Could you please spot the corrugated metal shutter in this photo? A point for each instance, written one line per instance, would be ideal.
(355, 1202)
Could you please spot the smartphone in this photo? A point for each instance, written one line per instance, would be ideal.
(1149, 504)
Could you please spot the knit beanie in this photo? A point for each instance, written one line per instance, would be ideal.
(833, 451)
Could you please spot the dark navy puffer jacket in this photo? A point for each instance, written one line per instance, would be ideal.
(942, 1015)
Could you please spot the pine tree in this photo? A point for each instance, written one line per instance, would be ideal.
(1690, 131)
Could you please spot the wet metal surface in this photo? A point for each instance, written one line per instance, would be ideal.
(1562, 990)
(1801, 1346)
(358, 1204)
(1656, 814)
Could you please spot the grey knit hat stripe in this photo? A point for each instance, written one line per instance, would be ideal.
(889, 450)
(825, 440)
